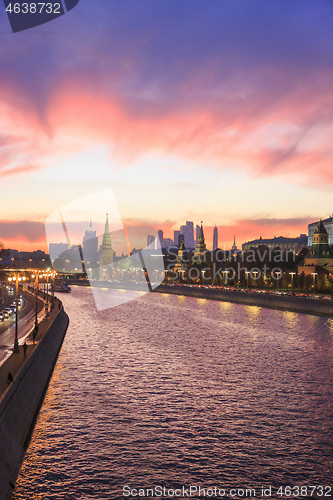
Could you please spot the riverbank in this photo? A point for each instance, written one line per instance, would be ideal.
(21, 400)
(305, 305)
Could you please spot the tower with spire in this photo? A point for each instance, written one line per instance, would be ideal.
(106, 253)
(201, 245)
(319, 259)
(215, 238)
(234, 249)
(90, 242)
(182, 261)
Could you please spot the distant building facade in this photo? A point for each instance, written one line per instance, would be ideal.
(90, 241)
(328, 224)
(293, 244)
(320, 257)
(57, 249)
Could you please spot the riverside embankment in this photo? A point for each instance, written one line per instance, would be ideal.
(306, 305)
(21, 400)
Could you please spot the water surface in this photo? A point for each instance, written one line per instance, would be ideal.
(172, 391)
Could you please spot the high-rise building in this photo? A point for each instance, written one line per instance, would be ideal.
(175, 237)
(190, 231)
(90, 241)
(215, 238)
(151, 241)
(187, 231)
(197, 232)
(160, 235)
(106, 253)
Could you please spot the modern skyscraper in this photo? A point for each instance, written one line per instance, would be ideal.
(176, 237)
(151, 241)
(187, 231)
(160, 235)
(106, 253)
(197, 232)
(215, 238)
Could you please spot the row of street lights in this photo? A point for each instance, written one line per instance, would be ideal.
(278, 275)
(17, 276)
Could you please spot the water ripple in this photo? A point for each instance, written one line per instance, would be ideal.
(172, 392)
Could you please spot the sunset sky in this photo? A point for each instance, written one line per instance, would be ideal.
(220, 111)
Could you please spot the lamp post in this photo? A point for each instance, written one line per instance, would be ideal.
(277, 277)
(314, 283)
(292, 282)
(17, 278)
(53, 275)
(247, 279)
(47, 293)
(36, 276)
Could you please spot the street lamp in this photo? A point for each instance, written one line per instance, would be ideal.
(292, 281)
(313, 283)
(225, 277)
(37, 277)
(247, 278)
(17, 278)
(277, 277)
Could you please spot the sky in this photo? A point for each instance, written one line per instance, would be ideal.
(201, 110)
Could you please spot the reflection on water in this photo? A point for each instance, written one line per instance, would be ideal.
(177, 391)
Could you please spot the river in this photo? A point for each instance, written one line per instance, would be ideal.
(175, 392)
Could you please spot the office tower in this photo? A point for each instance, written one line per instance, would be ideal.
(215, 238)
(187, 231)
(167, 242)
(160, 235)
(151, 241)
(197, 232)
(175, 237)
(190, 234)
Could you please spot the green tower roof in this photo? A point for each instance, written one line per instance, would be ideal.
(106, 236)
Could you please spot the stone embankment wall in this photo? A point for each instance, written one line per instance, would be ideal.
(288, 303)
(21, 402)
